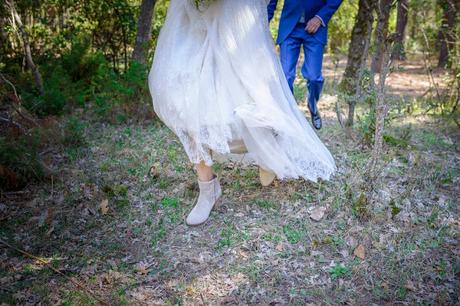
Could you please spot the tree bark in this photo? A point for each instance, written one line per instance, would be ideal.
(144, 31)
(26, 45)
(357, 52)
(401, 23)
(446, 35)
(381, 32)
(381, 111)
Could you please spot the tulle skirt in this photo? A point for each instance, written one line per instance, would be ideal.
(216, 80)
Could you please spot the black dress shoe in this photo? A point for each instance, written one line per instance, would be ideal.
(316, 120)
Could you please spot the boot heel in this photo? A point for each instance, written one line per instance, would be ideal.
(266, 177)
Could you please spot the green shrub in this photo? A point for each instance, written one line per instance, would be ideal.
(51, 103)
(71, 79)
(116, 95)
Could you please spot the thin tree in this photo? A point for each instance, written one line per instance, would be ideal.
(446, 35)
(144, 31)
(398, 52)
(357, 54)
(383, 15)
(16, 20)
(381, 110)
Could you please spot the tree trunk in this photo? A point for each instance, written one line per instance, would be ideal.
(381, 32)
(381, 111)
(357, 52)
(25, 42)
(144, 31)
(446, 36)
(401, 23)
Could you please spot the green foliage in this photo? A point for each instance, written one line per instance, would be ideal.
(229, 235)
(67, 80)
(82, 52)
(54, 98)
(81, 63)
(402, 141)
(293, 235)
(118, 94)
(84, 76)
(339, 271)
(170, 202)
(266, 204)
(366, 121)
(341, 26)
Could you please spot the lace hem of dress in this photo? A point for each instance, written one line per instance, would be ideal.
(199, 147)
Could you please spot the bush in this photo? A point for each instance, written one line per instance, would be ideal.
(68, 80)
(116, 96)
(51, 103)
(82, 76)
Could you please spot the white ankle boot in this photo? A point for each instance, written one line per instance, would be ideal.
(209, 193)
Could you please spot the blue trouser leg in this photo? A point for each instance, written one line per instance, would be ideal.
(311, 70)
(289, 55)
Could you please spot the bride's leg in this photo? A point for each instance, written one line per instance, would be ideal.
(204, 172)
(210, 192)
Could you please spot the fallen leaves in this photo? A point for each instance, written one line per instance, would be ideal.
(104, 206)
(360, 252)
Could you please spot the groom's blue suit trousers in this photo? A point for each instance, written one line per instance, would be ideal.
(311, 68)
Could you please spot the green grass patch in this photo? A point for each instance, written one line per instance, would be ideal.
(265, 204)
(170, 202)
(230, 235)
(339, 271)
(293, 234)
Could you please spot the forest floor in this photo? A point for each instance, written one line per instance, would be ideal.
(113, 221)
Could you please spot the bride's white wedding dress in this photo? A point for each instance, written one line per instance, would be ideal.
(216, 79)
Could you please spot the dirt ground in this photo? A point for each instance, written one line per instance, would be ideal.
(110, 230)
